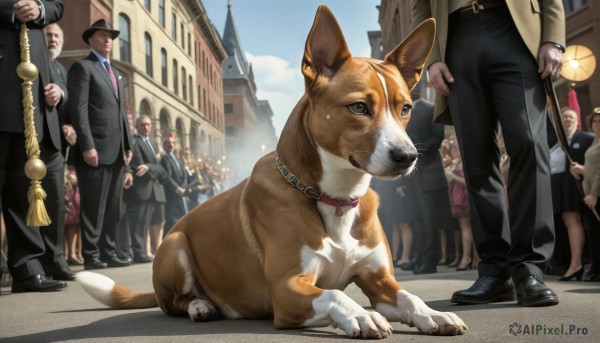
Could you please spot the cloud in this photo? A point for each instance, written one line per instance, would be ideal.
(278, 82)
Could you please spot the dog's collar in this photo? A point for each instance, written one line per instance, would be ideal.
(312, 192)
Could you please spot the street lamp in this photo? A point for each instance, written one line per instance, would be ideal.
(262, 148)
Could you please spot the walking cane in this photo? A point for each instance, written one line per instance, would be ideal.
(560, 131)
(35, 169)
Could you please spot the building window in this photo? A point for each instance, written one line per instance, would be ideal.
(573, 5)
(163, 67)
(191, 90)
(228, 108)
(182, 37)
(183, 84)
(161, 13)
(199, 99)
(174, 32)
(147, 4)
(229, 131)
(124, 38)
(175, 78)
(148, 43)
(189, 44)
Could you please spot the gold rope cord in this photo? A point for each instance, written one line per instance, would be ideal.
(35, 169)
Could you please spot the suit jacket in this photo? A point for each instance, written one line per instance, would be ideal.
(11, 108)
(58, 75)
(149, 185)
(537, 21)
(579, 144)
(98, 115)
(427, 137)
(176, 177)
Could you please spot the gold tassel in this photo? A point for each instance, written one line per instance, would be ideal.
(35, 169)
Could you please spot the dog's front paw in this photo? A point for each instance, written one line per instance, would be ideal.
(367, 324)
(438, 323)
(428, 321)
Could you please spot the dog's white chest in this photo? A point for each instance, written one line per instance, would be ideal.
(336, 263)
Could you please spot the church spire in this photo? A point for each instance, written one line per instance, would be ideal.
(237, 65)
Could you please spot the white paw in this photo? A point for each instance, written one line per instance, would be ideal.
(201, 310)
(428, 321)
(366, 324)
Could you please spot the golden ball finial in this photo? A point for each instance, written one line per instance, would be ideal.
(35, 169)
(27, 71)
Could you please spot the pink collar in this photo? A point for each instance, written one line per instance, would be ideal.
(311, 192)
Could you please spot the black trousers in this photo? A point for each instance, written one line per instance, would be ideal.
(100, 190)
(54, 186)
(25, 243)
(138, 217)
(497, 85)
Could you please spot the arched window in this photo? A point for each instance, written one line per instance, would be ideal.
(124, 38)
(163, 67)
(148, 43)
(175, 78)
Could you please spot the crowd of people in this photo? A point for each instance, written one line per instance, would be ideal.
(111, 192)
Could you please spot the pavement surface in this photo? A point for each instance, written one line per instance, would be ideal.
(71, 315)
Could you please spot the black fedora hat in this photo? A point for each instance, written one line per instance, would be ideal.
(99, 25)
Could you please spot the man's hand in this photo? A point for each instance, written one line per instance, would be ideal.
(26, 11)
(550, 61)
(576, 170)
(141, 170)
(440, 77)
(590, 201)
(180, 191)
(69, 134)
(127, 180)
(91, 157)
(127, 157)
(52, 94)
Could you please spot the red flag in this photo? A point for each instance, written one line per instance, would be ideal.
(574, 104)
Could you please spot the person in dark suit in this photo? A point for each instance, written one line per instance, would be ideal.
(25, 244)
(147, 194)
(428, 187)
(103, 149)
(55, 94)
(175, 185)
(566, 197)
(487, 65)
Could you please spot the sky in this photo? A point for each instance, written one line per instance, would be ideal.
(273, 34)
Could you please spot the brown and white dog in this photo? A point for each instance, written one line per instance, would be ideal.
(287, 240)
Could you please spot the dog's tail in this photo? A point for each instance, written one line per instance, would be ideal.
(114, 295)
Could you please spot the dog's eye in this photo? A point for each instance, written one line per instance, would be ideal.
(406, 110)
(359, 108)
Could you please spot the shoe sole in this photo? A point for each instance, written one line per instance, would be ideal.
(540, 302)
(507, 296)
(24, 289)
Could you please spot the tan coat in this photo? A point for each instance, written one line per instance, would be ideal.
(537, 21)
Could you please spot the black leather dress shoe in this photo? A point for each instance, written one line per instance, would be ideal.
(532, 292)
(37, 283)
(142, 259)
(485, 290)
(94, 264)
(116, 262)
(62, 274)
(425, 269)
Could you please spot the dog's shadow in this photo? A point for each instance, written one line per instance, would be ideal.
(156, 326)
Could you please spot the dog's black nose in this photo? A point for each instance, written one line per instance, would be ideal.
(404, 156)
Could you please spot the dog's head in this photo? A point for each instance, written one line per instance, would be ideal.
(359, 107)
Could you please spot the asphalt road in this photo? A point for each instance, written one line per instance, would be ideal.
(71, 315)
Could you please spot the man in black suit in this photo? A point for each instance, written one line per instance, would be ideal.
(103, 149)
(25, 244)
(146, 196)
(428, 187)
(175, 185)
(55, 94)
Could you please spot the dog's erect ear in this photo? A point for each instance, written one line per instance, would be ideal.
(325, 49)
(410, 56)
